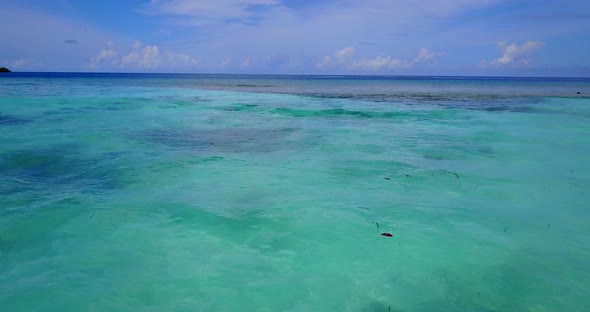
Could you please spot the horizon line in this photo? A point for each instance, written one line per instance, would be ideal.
(299, 74)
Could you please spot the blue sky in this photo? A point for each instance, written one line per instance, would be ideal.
(398, 37)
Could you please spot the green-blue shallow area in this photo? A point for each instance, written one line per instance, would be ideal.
(254, 193)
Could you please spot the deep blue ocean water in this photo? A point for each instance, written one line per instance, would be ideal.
(165, 192)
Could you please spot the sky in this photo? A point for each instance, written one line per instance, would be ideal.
(372, 37)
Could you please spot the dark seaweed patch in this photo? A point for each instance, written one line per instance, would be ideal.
(239, 107)
(54, 168)
(113, 108)
(496, 109)
(450, 172)
(471, 101)
(222, 140)
(338, 112)
(64, 113)
(434, 157)
(34, 164)
(485, 150)
(443, 172)
(377, 307)
(243, 85)
(517, 109)
(387, 97)
(6, 120)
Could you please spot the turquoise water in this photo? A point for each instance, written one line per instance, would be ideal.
(224, 193)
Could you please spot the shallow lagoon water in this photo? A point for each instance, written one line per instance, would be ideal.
(229, 193)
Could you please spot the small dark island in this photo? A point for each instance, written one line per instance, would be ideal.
(4, 70)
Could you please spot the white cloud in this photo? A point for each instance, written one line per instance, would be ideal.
(179, 59)
(339, 59)
(344, 60)
(513, 53)
(147, 57)
(130, 58)
(104, 55)
(142, 57)
(378, 63)
(137, 44)
(424, 56)
(344, 54)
